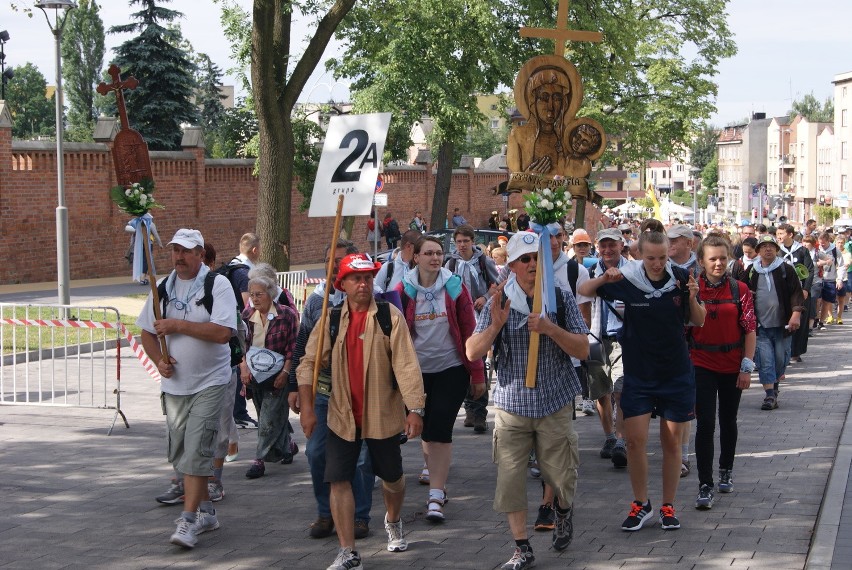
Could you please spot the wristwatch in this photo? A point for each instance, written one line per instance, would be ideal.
(419, 411)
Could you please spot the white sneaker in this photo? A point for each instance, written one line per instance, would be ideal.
(396, 540)
(205, 521)
(346, 560)
(185, 534)
(589, 408)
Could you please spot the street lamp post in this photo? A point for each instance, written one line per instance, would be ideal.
(694, 171)
(5, 74)
(63, 265)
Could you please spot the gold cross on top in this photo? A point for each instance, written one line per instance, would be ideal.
(561, 33)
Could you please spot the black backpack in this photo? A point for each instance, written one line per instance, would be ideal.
(227, 269)
(237, 342)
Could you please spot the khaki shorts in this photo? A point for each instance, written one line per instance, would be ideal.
(608, 378)
(193, 423)
(556, 449)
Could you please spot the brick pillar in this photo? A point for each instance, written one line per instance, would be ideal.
(193, 141)
(5, 141)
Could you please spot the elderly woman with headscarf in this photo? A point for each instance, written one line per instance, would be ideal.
(272, 330)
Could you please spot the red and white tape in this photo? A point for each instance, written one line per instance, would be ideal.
(146, 362)
(314, 280)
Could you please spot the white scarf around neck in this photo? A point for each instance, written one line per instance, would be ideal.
(634, 271)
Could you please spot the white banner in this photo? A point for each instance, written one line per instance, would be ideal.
(349, 165)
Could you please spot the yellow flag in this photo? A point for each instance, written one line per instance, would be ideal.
(653, 196)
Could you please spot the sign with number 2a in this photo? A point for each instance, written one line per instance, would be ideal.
(349, 165)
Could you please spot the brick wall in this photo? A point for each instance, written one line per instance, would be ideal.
(218, 197)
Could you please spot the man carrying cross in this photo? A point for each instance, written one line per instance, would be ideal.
(537, 418)
(195, 375)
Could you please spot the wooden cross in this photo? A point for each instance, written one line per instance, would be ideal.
(561, 33)
(130, 153)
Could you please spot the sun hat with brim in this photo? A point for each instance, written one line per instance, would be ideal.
(521, 243)
(355, 263)
(190, 239)
(767, 239)
(610, 233)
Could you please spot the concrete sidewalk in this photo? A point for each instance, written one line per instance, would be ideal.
(76, 498)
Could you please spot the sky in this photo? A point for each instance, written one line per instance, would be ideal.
(787, 49)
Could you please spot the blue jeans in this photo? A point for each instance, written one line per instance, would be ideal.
(773, 354)
(362, 484)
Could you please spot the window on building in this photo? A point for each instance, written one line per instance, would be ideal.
(844, 183)
(493, 106)
(844, 150)
(843, 93)
(843, 122)
(495, 123)
(802, 149)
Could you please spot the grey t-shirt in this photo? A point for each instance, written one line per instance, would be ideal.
(766, 305)
(432, 341)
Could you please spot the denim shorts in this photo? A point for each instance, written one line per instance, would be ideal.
(672, 398)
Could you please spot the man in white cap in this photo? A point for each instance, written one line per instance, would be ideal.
(607, 381)
(532, 418)
(199, 313)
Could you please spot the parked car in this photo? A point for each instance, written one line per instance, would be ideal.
(482, 239)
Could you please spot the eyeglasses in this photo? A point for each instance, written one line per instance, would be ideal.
(260, 295)
(526, 258)
(626, 232)
(431, 253)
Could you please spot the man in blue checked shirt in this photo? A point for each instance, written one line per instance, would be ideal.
(538, 417)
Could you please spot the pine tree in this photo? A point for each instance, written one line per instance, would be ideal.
(82, 58)
(164, 99)
(209, 99)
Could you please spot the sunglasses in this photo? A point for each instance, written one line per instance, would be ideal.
(526, 258)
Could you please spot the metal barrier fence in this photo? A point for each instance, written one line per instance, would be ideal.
(57, 355)
(295, 282)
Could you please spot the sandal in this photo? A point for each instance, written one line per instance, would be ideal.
(424, 476)
(684, 468)
(435, 508)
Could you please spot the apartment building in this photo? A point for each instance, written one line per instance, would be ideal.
(842, 165)
(742, 157)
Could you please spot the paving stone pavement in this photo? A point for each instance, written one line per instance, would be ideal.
(77, 498)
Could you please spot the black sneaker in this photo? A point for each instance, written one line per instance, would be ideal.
(246, 423)
(522, 558)
(619, 456)
(638, 516)
(704, 502)
(668, 520)
(563, 530)
(479, 424)
(606, 450)
(545, 518)
(726, 481)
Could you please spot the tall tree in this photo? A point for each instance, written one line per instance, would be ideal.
(427, 58)
(703, 148)
(277, 79)
(33, 113)
(209, 98)
(82, 58)
(811, 109)
(164, 98)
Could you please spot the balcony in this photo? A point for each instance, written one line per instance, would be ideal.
(787, 161)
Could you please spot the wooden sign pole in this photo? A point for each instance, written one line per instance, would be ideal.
(532, 357)
(155, 296)
(329, 270)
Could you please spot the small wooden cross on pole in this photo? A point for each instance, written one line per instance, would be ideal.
(561, 33)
